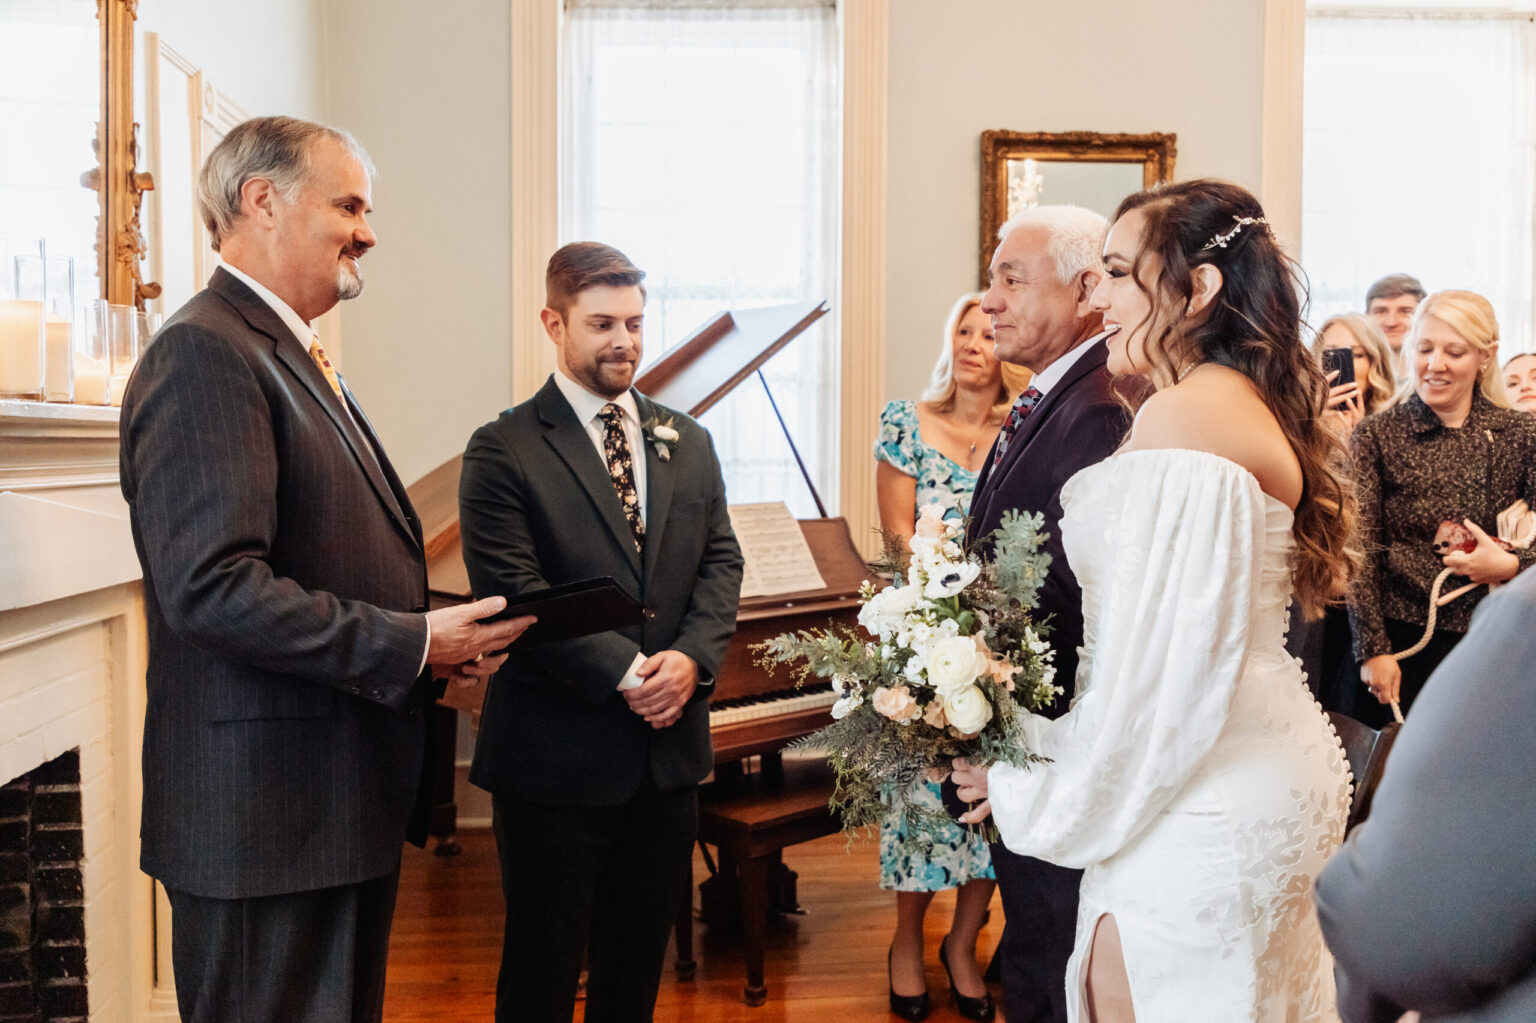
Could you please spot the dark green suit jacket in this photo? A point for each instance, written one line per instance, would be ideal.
(537, 509)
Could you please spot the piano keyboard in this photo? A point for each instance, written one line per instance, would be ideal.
(770, 704)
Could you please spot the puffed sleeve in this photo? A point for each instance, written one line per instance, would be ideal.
(896, 442)
(1183, 531)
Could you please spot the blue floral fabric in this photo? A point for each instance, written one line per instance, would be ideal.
(913, 863)
(939, 480)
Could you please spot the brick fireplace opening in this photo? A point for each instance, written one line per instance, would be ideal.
(42, 907)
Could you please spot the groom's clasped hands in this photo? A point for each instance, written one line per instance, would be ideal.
(670, 678)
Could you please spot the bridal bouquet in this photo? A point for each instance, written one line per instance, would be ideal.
(948, 657)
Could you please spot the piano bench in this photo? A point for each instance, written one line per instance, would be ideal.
(751, 818)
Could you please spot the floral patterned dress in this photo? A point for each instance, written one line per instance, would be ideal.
(910, 863)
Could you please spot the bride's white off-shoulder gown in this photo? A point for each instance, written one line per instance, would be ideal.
(1194, 778)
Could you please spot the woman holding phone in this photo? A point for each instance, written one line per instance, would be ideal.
(1362, 381)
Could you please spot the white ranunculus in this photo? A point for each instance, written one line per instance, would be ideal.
(882, 614)
(953, 664)
(950, 579)
(666, 434)
(967, 709)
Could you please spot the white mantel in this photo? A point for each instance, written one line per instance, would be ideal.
(72, 658)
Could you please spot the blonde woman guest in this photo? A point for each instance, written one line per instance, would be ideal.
(1520, 381)
(1375, 386)
(930, 452)
(1452, 449)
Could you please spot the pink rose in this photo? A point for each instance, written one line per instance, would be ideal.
(935, 716)
(896, 703)
(930, 524)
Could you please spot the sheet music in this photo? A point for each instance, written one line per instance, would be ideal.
(778, 558)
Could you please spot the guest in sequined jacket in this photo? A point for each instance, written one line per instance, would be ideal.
(1453, 449)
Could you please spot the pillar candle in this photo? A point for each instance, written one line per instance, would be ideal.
(21, 349)
(61, 358)
(90, 381)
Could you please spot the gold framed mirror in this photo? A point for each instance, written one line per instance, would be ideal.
(66, 69)
(1081, 168)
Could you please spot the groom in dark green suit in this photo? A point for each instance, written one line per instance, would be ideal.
(593, 748)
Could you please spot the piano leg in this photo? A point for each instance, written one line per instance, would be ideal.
(685, 967)
(444, 822)
(754, 923)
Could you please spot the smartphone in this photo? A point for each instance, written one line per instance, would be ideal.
(1343, 360)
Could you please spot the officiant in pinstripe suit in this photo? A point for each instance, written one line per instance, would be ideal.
(291, 657)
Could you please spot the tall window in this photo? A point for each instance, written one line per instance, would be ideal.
(1420, 157)
(702, 140)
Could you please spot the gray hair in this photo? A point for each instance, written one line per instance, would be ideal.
(1076, 236)
(275, 148)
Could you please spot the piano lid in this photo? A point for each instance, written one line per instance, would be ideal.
(732, 346)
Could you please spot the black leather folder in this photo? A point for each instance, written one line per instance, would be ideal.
(571, 610)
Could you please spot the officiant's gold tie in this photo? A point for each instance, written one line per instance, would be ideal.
(621, 469)
(318, 354)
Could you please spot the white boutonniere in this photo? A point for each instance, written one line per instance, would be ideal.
(662, 433)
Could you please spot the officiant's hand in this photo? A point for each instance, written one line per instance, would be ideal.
(670, 677)
(971, 786)
(461, 650)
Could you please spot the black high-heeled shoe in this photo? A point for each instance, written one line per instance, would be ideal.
(981, 1009)
(908, 1007)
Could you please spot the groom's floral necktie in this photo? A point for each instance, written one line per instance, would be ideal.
(621, 469)
(1021, 409)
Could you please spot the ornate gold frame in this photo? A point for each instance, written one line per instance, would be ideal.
(119, 239)
(1155, 152)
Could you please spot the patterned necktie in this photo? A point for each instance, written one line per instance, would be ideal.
(621, 469)
(1016, 416)
(318, 354)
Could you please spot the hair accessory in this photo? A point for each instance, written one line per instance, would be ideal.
(1220, 241)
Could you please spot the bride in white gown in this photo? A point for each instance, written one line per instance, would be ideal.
(1195, 778)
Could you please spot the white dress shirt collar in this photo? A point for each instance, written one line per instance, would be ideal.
(1051, 375)
(302, 331)
(588, 405)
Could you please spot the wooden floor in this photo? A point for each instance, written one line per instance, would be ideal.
(828, 964)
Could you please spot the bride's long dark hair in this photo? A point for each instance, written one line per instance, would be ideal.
(1253, 326)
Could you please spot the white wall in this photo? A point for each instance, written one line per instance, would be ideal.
(1192, 67)
(425, 87)
(268, 58)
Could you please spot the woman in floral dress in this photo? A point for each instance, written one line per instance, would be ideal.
(929, 453)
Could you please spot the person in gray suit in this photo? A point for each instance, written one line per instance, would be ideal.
(1431, 903)
(291, 654)
(593, 748)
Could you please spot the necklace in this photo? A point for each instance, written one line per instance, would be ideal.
(977, 436)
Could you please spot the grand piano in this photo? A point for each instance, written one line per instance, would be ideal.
(755, 805)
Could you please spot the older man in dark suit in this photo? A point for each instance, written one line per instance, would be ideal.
(593, 748)
(1070, 417)
(290, 652)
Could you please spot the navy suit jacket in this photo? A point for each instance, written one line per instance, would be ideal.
(1079, 422)
(285, 735)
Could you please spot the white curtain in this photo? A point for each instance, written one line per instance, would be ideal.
(702, 140)
(1420, 157)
